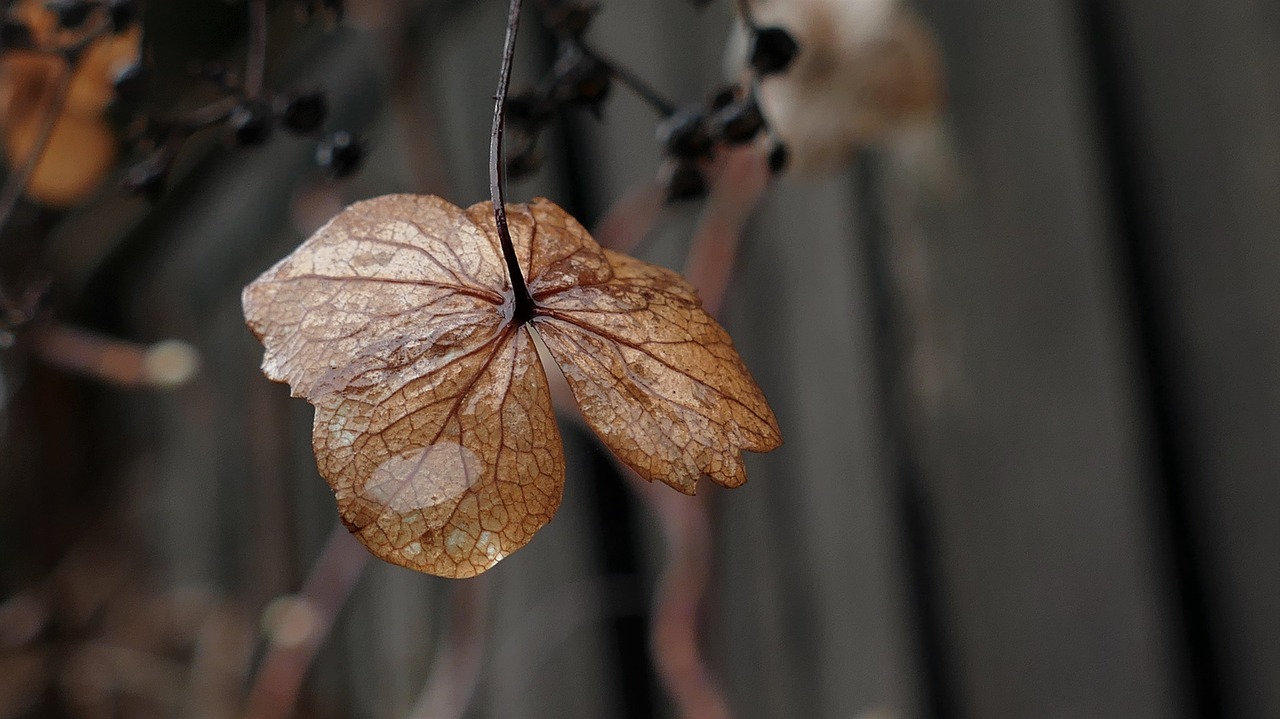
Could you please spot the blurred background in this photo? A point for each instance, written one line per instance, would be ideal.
(1014, 301)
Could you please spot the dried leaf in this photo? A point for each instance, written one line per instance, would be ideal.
(434, 423)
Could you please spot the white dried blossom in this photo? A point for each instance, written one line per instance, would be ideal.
(868, 71)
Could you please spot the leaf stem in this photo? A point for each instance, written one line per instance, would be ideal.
(498, 171)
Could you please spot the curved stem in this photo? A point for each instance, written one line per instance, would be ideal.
(329, 584)
(498, 171)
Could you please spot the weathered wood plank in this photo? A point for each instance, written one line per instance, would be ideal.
(1199, 90)
(1034, 451)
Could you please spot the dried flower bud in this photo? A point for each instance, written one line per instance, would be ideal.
(304, 113)
(252, 123)
(685, 135)
(740, 121)
(15, 35)
(722, 97)
(573, 18)
(71, 13)
(530, 109)
(867, 73)
(148, 177)
(123, 14)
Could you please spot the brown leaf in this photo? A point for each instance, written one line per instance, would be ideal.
(433, 420)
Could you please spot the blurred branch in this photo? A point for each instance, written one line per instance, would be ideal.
(455, 671)
(164, 364)
(743, 177)
(686, 524)
(302, 624)
(631, 218)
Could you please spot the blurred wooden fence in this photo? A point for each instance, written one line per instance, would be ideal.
(1032, 460)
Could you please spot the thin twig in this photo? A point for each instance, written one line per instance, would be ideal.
(255, 66)
(523, 310)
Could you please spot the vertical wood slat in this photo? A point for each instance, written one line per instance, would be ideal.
(1198, 87)
(812, 566)
(1035, 451)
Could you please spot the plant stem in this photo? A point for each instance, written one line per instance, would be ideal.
(498, 172)
(329, 584)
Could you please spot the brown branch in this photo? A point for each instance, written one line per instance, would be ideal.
(455, 671)
(686, 523)
(290, 653)
(631, 218)
(166, 364)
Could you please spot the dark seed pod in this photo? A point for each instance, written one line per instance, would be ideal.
(131, 82)
(740, 121)
(724, 97)
(252, 123)
(772, 50)
(123, 14)
(685, 135)
(572, 19)
(71, 13)
(686, 183)
(779, 156)
(15, 35)
(530, 109)
(304, 113)
(340, 154)
(580, 79)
